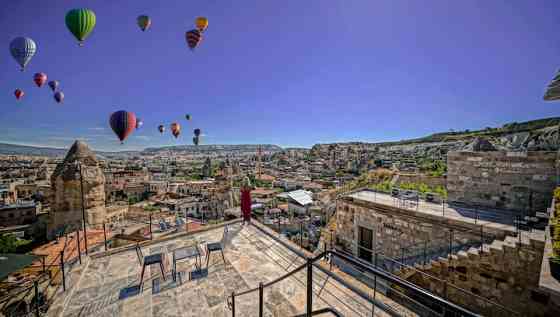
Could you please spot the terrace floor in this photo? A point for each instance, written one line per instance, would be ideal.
(107, 285)
(482, 216)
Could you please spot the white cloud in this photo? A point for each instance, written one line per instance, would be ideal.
(97, 129)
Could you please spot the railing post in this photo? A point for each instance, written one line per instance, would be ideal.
(450, 242)
(105, 235)
(62, 269)
(443, 207)
(425, 247)
(261, 294)
(78, 245)
(150, 226)
(309, 302)
(36, 286)
(232, 304)
(481, 238)
(301, 234)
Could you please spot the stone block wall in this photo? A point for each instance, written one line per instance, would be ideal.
(395, 229)
(519, 181)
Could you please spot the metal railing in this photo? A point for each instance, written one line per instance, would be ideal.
(380, 260)
(446, 308)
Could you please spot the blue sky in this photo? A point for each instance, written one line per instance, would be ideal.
(290, 72)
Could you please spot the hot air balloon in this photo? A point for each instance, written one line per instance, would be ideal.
(22, 50)
(161, 128)
(175, 129)
(59, 96)
(123, 123)
(188, 117)
(195, 140)
(201, 23)
(19, 93)
(139, 123)
(193, 38)
(40, 79)
(80, 22)
(144, 22)
(197, 132)
(54, 84)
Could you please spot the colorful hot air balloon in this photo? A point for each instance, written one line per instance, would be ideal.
(59, 96)
(123, 123)
(40, 79)
(144, 22)
(54, 84)
(161, 128)
(201, 23)
(195, 140)
(175, 129)
(80, 22)
(196, 132)
(188, 117)
(22, 50)
(193, 38)
(19, 93)
(139, 123)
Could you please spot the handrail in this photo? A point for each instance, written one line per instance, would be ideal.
(375, 271)
(322, 311)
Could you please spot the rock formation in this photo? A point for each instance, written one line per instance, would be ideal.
(66, 197)
(480, 145)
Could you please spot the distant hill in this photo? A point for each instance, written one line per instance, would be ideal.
(14, 149)
(205, 148)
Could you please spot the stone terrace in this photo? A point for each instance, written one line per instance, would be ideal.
(487, 217)
(251, 257)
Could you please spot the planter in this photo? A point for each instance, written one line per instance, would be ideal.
(555, 267)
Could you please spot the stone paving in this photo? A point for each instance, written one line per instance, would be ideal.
(109, 285)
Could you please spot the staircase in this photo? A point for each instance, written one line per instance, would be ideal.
(492, 271)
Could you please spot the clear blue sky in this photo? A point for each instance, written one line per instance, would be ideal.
(290, 72)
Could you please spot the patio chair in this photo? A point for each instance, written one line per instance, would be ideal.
(162, 226)
(217, 246)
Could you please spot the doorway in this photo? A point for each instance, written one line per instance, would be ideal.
(365, 243)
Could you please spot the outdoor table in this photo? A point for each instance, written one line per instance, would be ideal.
(185, 253)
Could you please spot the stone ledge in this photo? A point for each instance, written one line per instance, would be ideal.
(548, 283)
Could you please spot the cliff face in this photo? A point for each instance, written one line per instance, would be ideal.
(66, 200)
(539, 135)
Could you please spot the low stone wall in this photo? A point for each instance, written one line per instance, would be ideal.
(519, 181)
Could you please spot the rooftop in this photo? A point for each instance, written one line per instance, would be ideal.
(498, 219)
(107, 285)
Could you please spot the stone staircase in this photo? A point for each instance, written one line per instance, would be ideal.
(492, 271)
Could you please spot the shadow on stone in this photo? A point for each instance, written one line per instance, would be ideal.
(129, 292)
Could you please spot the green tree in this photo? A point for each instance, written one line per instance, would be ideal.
(10, 244)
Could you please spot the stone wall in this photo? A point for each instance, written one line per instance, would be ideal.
(519, 181)
(396, 229)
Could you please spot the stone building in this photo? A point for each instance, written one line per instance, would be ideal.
(519, 181)
(66, 197)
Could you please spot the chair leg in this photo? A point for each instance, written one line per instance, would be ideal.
(223, 257)
(174, 270)
(162, 271)
(207, 259)
(142, 277)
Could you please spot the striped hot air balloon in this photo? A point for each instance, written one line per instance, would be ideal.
(193, 38)
(144, 22)
(161, 128)
(54, 84)
(40, 79)
(123, 123)
(80, 22)
(139, 123)
(59, 96)
(196, 132)
(22, 50)
(175, 129)
(19, 93)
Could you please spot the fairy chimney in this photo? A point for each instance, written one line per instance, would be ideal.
(66, 198)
